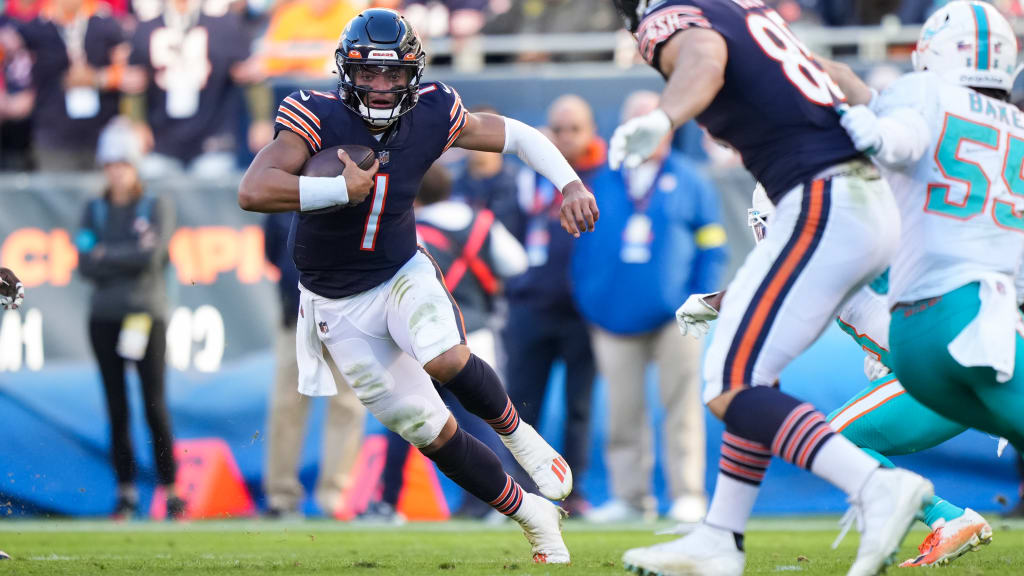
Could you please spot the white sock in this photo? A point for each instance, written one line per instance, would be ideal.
(731, 504)
(843, 464)
(527, 509)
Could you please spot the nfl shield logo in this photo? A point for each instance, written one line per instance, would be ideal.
(384, 156)
(323, 327)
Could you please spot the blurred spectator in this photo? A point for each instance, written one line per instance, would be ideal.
(79, 56)
(289, 410)
(185, 66)
(303, 35)
(446, 18)
(122, 251)
(857, 12)
(474, 252)
(554, 16)
(16, 98)
(489, 183)
(543, 323)
(659, 241)
(22, 10)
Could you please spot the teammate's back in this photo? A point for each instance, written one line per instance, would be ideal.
(776, 106)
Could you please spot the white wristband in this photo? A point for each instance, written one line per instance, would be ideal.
(316, 192)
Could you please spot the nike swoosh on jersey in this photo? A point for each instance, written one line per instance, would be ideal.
(303, 95)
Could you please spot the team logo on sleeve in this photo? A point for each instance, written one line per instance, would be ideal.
(661, 25)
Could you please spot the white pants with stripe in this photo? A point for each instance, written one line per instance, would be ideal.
(381, 338)
(824, 241)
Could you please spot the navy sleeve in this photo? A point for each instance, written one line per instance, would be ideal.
(659, 25)
(453, 115)
(297, 113)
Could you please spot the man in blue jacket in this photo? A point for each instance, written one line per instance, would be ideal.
(660, 240)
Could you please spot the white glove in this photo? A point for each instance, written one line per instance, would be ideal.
(874, 369)
(693, 316)
(13, 303)
(862, 126)
(12, 293)
(635, 141)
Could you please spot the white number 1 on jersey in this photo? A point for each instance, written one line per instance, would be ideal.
(377, 199)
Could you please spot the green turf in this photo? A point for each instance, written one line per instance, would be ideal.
(319, 547)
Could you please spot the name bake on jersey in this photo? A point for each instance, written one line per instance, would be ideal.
(354, 249)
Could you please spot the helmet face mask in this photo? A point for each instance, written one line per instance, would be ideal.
(969, 44)
(380, 61)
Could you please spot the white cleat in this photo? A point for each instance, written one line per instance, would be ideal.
(543, 528)
(544, 465)
(951, 540)
(707, 551)
(885, 509)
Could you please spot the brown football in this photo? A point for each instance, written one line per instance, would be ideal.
(326, 163)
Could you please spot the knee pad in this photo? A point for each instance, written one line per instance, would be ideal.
(417, 419)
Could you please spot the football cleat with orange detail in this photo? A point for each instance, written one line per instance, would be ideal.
(542, 525)
(545, 466)
(951, 540)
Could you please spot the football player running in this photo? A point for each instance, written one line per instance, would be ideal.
(952, 148)
(374, 300)
(882, 419)
(736, 67)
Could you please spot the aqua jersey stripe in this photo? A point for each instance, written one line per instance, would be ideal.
(981, 20)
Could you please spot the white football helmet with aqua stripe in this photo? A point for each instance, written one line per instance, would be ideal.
(970, 44)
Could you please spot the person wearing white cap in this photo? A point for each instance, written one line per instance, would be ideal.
(123, 251)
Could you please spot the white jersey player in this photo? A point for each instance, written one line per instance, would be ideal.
(882, 418)
(952, 148)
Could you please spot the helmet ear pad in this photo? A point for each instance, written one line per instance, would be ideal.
(379, 37)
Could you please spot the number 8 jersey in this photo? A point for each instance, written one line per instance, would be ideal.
(961, 203)
(776, 107)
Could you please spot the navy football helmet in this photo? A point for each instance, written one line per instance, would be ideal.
(379, 41)
(631, 12)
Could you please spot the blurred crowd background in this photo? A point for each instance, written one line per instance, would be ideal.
(124, 127)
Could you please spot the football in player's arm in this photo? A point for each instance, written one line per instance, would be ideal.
(272, 184)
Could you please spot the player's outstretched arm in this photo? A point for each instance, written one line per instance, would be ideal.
(856, 91)
(272, 183)
(693, 61)
(493, 133)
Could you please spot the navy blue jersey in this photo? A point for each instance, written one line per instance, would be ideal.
(190, 104)
(777, 105)
(52, 127)
(359, 247)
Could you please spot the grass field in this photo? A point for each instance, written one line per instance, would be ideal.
(321, 547)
